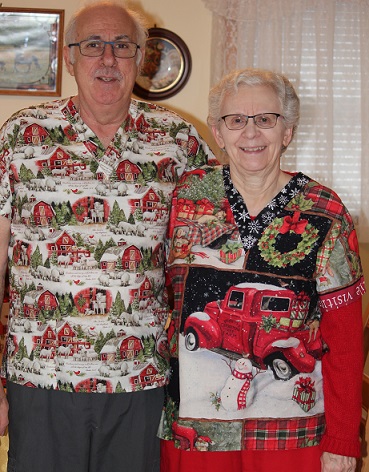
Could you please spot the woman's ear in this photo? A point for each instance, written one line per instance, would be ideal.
(217, 136)
(287, 137)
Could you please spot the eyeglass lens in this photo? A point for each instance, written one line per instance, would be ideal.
(92, 48)
(262, 120)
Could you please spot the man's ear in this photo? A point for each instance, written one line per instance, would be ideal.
(68, 60)
(140, 59)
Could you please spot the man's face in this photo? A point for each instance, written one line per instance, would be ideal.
(104, 80)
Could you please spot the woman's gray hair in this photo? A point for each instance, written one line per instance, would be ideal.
(139, 21)
(251, 77)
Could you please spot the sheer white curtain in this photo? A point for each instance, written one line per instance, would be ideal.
(323, 48)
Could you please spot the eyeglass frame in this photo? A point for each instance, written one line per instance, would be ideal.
(277, 115)
(105, 43)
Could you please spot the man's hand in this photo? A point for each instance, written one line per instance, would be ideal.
(4, 408)
(335, 463)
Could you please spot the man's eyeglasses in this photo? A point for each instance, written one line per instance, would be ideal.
(96, 48)
(262, 120)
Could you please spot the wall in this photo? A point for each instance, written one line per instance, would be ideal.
(189, 19)
(192, 22)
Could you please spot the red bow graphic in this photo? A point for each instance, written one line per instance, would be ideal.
(305, 384)
(293, 224)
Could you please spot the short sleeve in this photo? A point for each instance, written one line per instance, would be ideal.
(5, 157)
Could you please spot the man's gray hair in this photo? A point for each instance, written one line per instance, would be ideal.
(139, 22)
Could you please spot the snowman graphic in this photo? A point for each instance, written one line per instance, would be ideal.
(238, 391)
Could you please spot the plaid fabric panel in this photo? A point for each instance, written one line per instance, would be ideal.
(327, 201)
(202, 234)
(283, 433)
(325, 251)
(177, 278)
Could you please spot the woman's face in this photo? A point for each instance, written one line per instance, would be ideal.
(252, 149)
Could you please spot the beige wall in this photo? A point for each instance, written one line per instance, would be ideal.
(189, 19)
(192, 22)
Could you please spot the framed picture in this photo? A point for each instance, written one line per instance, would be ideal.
(31, 45)
(166, 68)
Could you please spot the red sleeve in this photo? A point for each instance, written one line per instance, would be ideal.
(342, 368)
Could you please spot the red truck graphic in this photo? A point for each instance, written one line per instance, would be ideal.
(263, 322)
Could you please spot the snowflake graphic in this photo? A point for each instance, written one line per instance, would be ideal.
(302, 181)
(234, 206)
(243, 216)
(268, 217)
(272, 204)
(248, 241)
(283, 200)
(254, 226)
(294, 192)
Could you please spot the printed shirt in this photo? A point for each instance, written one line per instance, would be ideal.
(86, 256)
(248, 296)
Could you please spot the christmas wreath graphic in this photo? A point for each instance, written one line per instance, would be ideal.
(285, 225)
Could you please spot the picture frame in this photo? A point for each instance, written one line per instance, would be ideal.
(31, 51)
(167, 66)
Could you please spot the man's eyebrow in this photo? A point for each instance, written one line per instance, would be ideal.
(117, 38)
(123, 36)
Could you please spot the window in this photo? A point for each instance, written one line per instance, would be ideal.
(236, 299)
(275, 304)
(322, 47)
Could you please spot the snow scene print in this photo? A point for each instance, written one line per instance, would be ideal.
(226, 403)
(224, 388)
(247, 355)
(245, 359)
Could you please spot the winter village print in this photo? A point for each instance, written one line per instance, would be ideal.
(84, 212)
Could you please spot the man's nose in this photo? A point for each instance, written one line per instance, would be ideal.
(108, 53)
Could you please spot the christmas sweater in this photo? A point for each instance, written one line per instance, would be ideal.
(249, 296)
(86, 256)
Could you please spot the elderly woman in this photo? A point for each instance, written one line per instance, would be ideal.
(266, 328)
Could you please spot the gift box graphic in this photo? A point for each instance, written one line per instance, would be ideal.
(230, 252)
(186, 209)
(204, 207)
(304, 393)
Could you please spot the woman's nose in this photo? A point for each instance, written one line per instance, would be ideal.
(250, 129)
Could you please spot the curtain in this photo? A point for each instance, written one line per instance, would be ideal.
(323, 48)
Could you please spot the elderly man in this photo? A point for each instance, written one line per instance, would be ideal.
(86, 184)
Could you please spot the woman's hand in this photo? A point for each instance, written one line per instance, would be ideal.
(335, 463)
